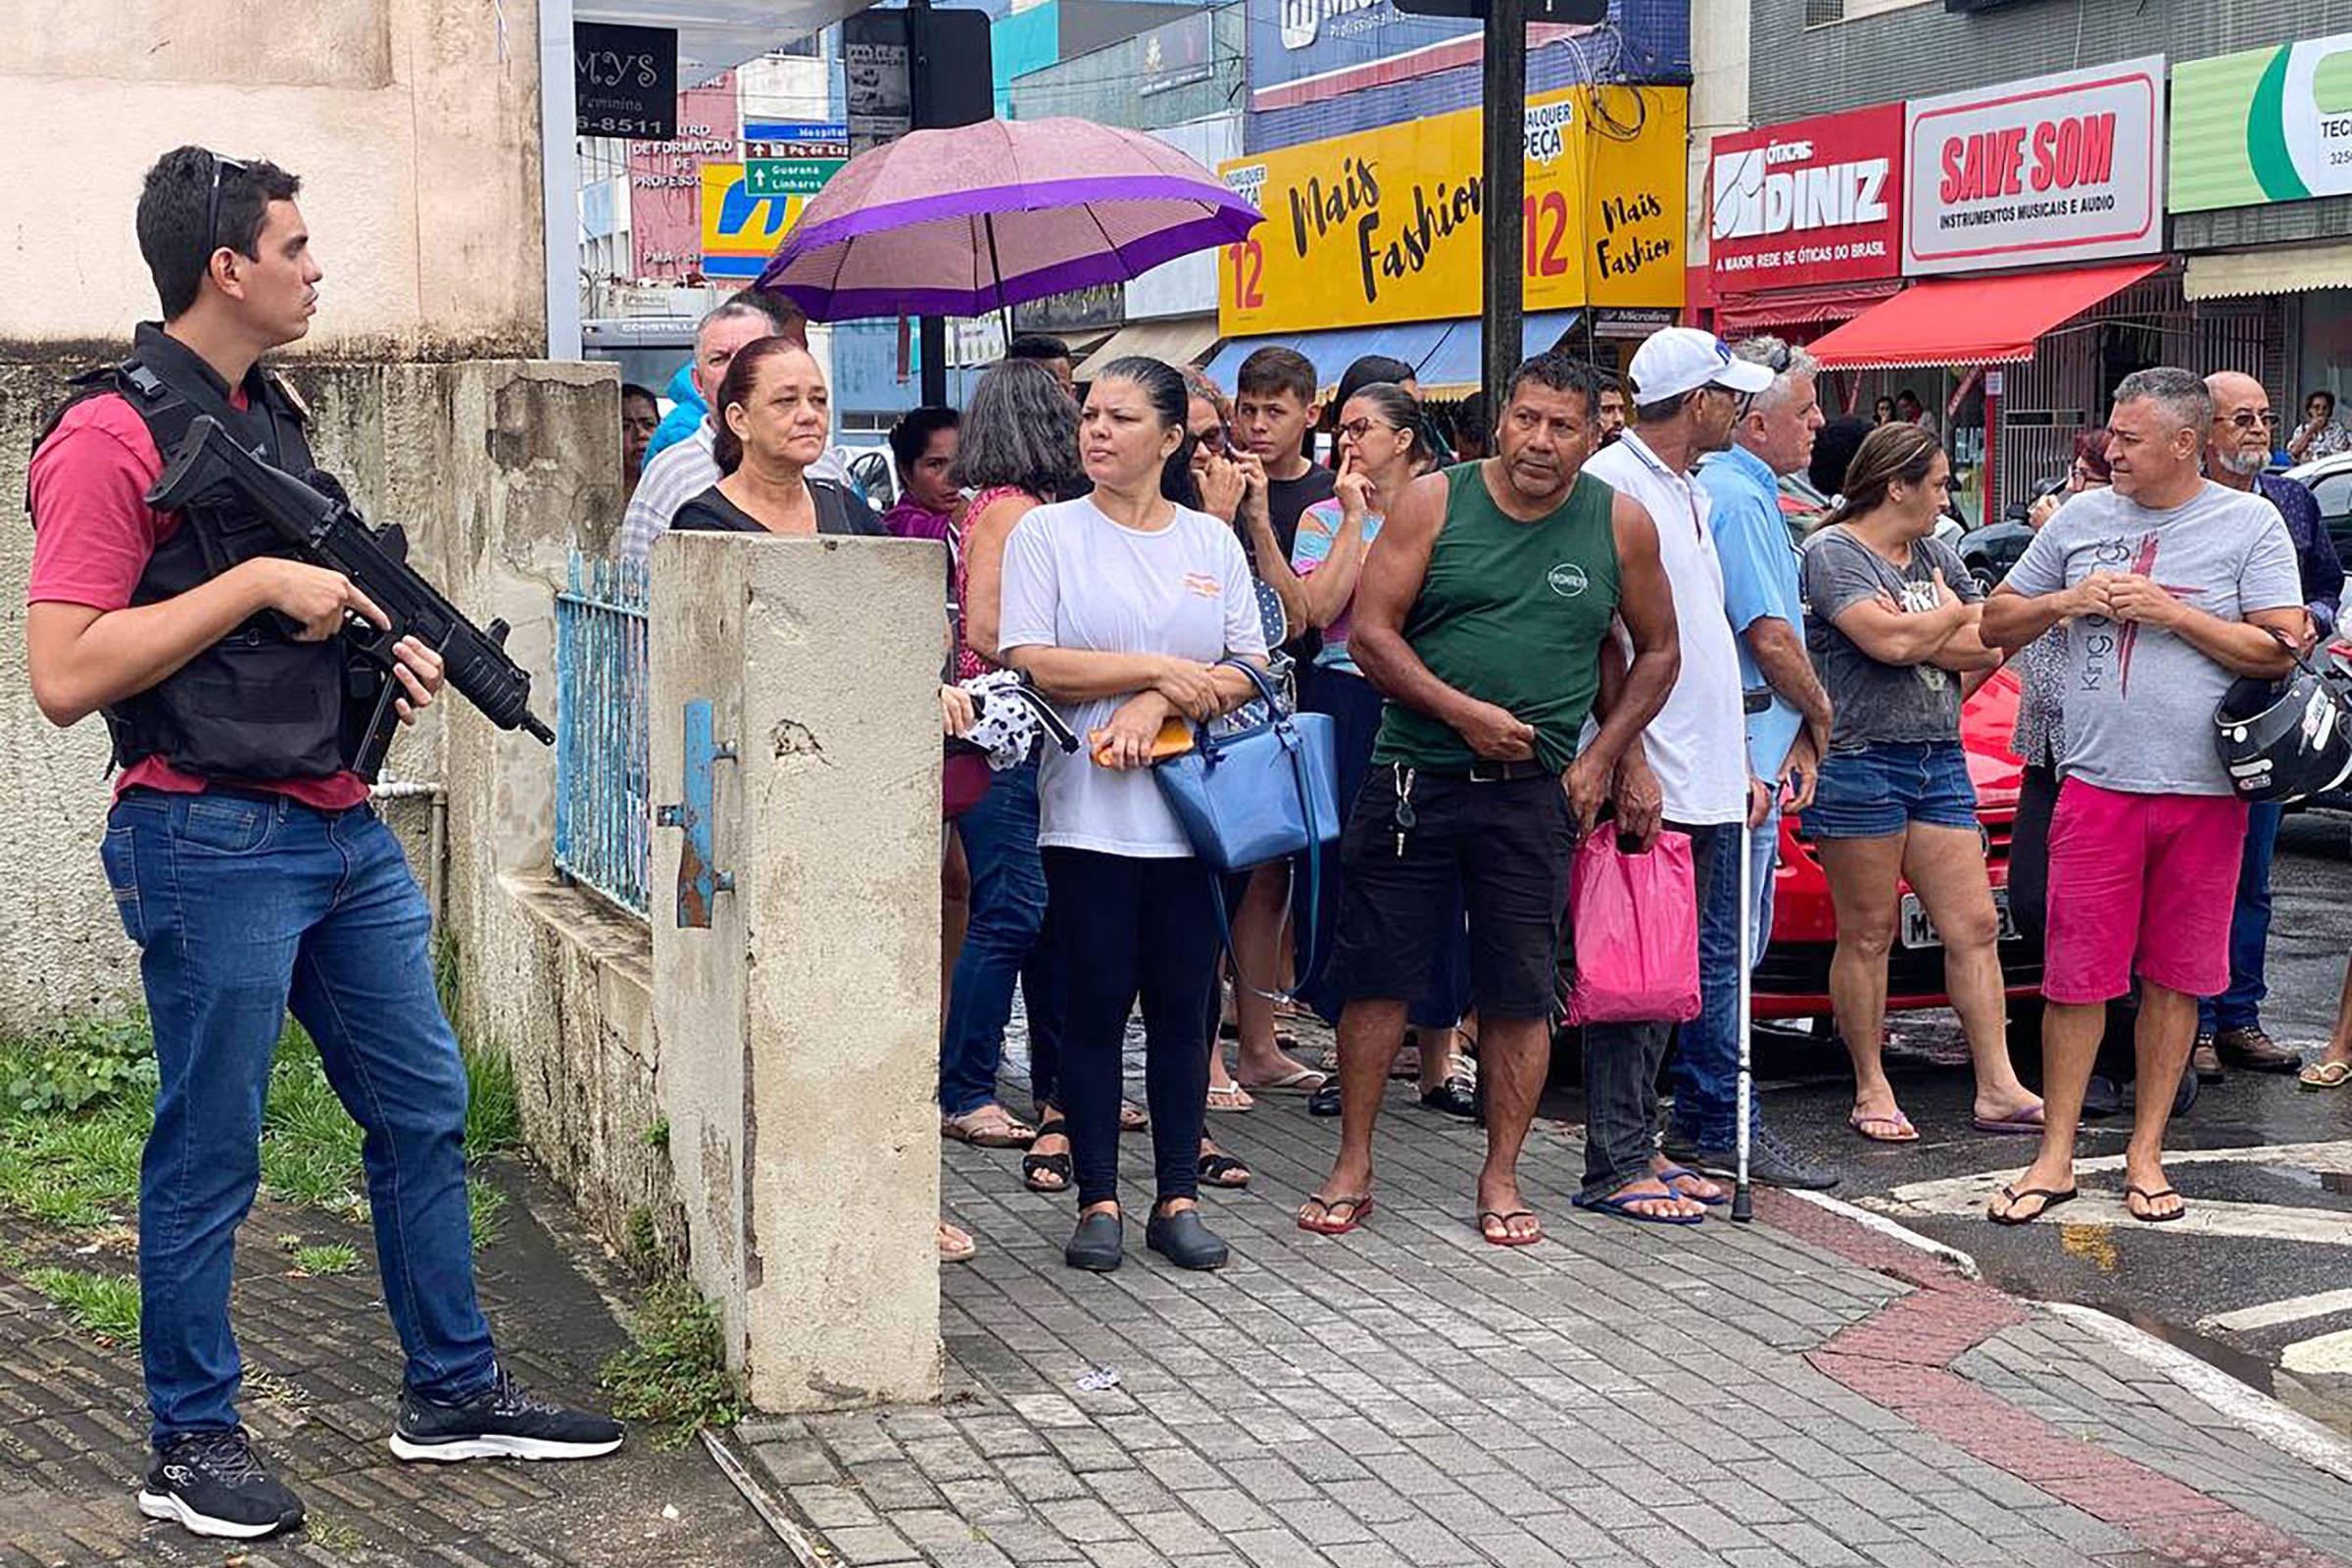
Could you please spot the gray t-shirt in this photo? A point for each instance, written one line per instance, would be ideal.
(1073, 578)
(2138, 701)
(1876, 704)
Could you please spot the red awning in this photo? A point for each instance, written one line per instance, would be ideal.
(1800, 307)
(1971, 321)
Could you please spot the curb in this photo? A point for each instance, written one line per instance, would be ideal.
(805, 1550)
(2250, 1409)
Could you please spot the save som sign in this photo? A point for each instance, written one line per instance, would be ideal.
(2059, 169)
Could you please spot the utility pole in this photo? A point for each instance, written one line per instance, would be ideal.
(931, 340)
(1505, 127)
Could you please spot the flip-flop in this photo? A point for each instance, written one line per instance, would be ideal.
(1620, 1205)
(2325, 1075)
(1906, 1134)
(1133, 1118)
(2150, 1199)
(960, 1249)
(1218, 1169)
(1230, 1098)
(1034, 1166)
(1674, 1173)
(2050, 1198)
(1504, 1237)
(2028, 1120)
(1359, 1209)
(1297, 1081)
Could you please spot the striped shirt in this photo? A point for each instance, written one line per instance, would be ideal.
(677, 475)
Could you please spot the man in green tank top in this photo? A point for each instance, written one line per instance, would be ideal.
(1480, 617)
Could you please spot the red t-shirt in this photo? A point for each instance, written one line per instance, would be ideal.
(95, 536)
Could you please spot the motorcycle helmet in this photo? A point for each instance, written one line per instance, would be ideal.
(2282, 740)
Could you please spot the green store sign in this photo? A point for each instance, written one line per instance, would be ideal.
(2267, 125)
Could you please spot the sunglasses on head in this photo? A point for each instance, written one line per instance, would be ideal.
(212, 204)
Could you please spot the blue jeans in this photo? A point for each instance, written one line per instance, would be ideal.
(240, 907)
(2241, 1006)
(1000, 946)
(1706, 1067)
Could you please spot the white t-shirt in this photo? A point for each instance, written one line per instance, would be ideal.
(1075, 579)
(1697, 744)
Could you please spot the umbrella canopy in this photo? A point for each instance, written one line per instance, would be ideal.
(964, 221)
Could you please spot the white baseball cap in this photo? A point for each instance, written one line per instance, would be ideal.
(1681, 359)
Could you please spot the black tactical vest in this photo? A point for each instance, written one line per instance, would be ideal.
(257, 705)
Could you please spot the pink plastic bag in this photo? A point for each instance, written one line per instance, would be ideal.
(1635, 924)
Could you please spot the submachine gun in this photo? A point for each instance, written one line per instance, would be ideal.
(323, 528)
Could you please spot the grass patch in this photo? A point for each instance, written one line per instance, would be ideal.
(656, 1134)
(104, 1305)
(310, 1144)
(332, 1260)
(675, 1377)
(493, 1115)
(484, 1204)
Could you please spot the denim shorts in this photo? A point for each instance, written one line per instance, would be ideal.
(1879, 792)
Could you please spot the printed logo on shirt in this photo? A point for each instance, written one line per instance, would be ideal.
(1567, 579)
(1201, 583)
(1919, 598)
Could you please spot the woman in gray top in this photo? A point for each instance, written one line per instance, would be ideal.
(1891, 623)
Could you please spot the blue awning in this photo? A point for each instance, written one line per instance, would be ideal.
(1332, 352)
(1456, 370)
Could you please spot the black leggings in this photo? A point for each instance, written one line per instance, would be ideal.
(1128, 925)
(2028, 902)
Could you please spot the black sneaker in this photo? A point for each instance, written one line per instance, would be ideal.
(1771, 1163)
(213, 1484)
(502, 1422)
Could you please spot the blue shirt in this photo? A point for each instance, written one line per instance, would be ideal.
(1762, 575)
(2315, 553)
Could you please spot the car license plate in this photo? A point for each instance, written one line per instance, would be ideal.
(1920, 932)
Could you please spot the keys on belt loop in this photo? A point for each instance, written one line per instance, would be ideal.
(1404, 804)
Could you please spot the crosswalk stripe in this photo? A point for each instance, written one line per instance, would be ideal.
(2269, 1314)
(2324, 1354)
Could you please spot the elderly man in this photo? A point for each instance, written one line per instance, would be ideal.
(1688, 390)
(1788, 735)
(2177, 586)
(675, 474)
(2229, 1030)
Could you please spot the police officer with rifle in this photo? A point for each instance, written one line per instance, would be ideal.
(219, 619)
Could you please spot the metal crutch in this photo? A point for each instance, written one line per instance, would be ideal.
(1743, 1207)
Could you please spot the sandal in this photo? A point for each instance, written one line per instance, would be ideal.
(1358, 1208)
(2150, 1217)
(991, 1126)
(1620, 1205)
(954, 1246)
(1902, 1130)
(2325, 1075)
(1230, 1097)
(1220, 1170)
(1684, 1173)
(1297, 1081)
(1133, 1118)
(2050, 1198)
(1049, 1173)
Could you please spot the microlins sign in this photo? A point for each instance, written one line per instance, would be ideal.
(1814, 200)
(2068, 168)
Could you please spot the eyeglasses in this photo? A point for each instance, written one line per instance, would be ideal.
(2245, 420)
(1357, 429)
(212, 204)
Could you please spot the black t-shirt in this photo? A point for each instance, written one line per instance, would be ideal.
(836, 514)
(1287, 498)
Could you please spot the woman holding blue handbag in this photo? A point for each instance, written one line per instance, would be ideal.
(1119, 605)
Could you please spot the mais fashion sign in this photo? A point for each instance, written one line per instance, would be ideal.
(2266, 126)
(1390, 225)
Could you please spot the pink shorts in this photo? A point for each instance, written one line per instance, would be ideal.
(2141, 884)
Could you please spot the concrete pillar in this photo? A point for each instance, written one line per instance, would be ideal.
(799, 1033)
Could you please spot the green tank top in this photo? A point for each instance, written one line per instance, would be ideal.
(1512, 614)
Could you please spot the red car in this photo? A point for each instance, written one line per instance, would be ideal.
(1794, 980)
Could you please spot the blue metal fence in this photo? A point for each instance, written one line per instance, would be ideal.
(602, 801)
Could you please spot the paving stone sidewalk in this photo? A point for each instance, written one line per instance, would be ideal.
(323, 1370)
(1797, 1393)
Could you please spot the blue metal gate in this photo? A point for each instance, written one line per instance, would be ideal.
(603, 803)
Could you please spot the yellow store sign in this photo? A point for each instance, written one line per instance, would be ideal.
(1389, 225)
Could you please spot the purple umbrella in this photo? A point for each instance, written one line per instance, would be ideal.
(964, 221)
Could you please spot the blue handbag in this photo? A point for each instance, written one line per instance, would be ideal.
(1264, 793)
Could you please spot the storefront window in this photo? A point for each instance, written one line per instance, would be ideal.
(2327, 359)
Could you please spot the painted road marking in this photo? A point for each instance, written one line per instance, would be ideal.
(2269, 1314)
(2277, 1222)
(2327, 1353)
